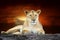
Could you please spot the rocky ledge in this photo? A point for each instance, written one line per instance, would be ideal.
(30, 37)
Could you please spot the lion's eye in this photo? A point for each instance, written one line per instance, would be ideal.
(30, 15)
(35, 15)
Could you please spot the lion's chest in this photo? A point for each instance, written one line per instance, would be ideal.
(31, 29)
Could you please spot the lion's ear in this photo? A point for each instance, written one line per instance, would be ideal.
(26, 12)
(38, 11)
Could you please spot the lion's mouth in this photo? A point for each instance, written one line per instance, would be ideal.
(33, 22)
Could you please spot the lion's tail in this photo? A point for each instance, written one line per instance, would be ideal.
(2, 32)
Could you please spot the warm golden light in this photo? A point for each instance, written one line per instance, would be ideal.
(21, 18)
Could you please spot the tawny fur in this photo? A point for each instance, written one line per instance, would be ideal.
(31, 24)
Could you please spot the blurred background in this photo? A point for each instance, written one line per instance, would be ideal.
(12, 13)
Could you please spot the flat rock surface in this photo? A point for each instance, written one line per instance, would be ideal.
(30, 37)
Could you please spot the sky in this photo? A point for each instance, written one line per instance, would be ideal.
(49, 17)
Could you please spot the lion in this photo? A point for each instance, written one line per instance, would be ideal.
(31, 24)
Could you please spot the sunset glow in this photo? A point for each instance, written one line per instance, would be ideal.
(21, 18)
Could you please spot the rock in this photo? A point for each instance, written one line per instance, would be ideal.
(30, 37)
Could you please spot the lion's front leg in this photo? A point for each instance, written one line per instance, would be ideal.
(41, 31)
(25, 32)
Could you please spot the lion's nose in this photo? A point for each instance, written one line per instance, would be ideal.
(33, 20)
